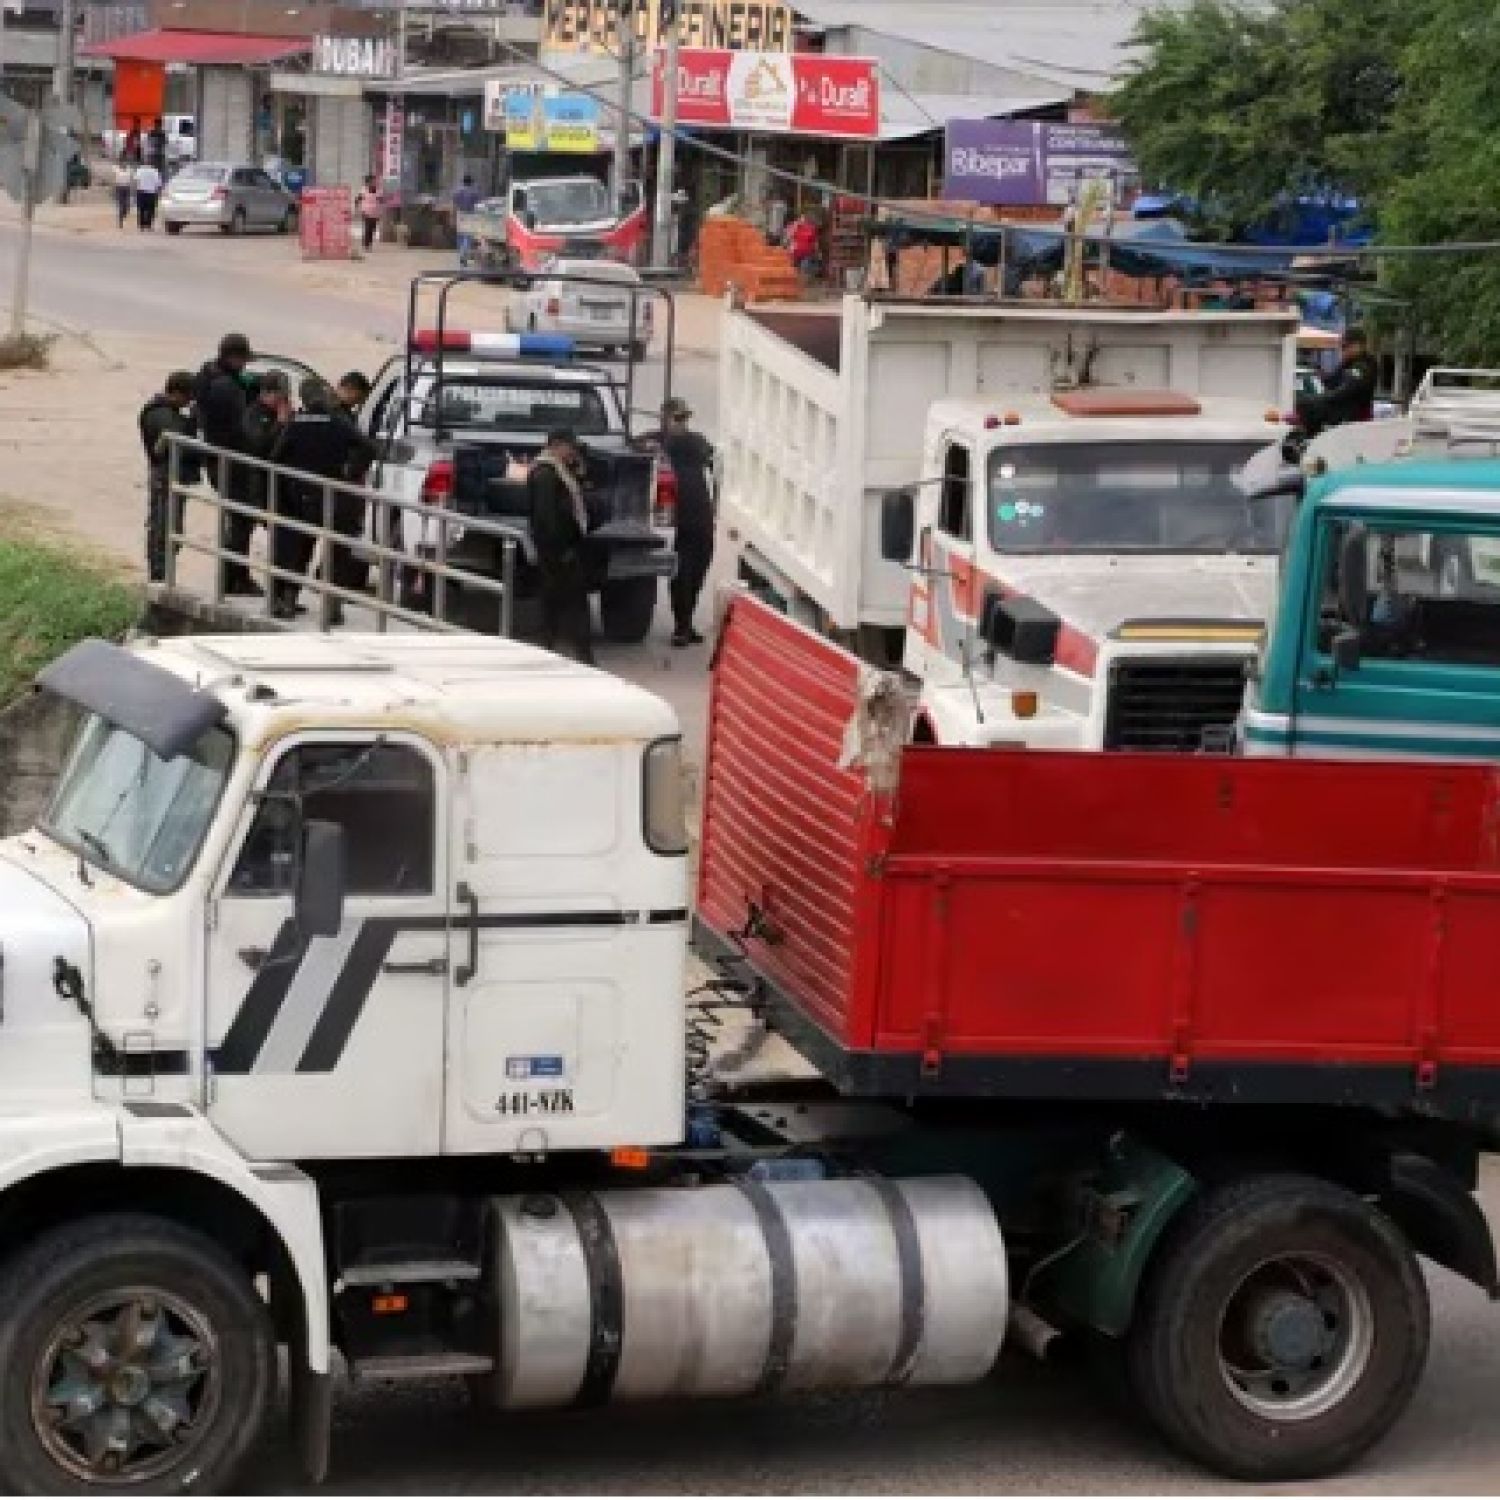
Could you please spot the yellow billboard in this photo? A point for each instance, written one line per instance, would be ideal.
(733, 25)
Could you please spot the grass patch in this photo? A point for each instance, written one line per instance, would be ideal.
(26, 351)
(50, 599)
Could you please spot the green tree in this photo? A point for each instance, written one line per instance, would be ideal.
(1245, 106)
(1442, 178)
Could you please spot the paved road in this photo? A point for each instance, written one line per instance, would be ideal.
(1035, 1429)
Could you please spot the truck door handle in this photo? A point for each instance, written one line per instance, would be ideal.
(466, 971)
(254, 958)
(436, 967)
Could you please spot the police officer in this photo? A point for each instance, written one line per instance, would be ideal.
(319, 440)
(164, 413)
(1350, 396)
(559, 529)
(221, 396)
(692, 458)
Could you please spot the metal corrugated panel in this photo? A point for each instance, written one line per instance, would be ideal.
(785, 830)
(341, 141)
(225, 115)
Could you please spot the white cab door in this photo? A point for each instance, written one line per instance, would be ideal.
(333, 1046)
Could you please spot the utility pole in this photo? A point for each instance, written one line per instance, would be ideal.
(31, 165)
(666, 141)
(62, 75)
(627, 87)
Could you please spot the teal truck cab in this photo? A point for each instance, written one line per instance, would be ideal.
(1386, 638)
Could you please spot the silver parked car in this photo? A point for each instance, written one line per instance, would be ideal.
(594, 310)
(227, 197)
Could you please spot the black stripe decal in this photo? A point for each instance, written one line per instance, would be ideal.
(607, 1288)
(263, 1000)
(783, 1286)
(247, 1033)
(347, 998)
(913, 1285)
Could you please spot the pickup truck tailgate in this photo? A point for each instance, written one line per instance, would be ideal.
(1034, 924)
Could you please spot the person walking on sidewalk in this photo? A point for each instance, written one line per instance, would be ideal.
(166, 412)
(692, 458)
(465, 201)
(124, 191)
(147, 192)
(369, 211)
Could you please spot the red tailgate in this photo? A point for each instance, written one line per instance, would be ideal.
(787, 834)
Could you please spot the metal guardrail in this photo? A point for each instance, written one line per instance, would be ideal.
(379, 541)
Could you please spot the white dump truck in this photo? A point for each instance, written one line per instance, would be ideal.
(1029, 505)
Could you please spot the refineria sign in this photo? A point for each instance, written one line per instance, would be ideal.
(733, 25)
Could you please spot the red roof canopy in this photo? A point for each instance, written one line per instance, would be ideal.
(199, 47)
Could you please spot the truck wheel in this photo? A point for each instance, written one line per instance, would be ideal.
(1281, 1331)
(626, 609)
(138, 1359)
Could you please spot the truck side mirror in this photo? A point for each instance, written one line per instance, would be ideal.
(319, 901)
(898, 525)
(1354, 577)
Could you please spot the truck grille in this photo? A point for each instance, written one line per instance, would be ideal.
(1184, 704)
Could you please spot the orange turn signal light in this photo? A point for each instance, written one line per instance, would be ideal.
(384, 1304)
(630, 1158)
(1024, 705)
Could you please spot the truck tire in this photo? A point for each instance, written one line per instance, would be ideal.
(1282, 1329)
(626, 609)
(74, 1305)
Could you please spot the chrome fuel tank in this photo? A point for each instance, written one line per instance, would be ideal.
(742, 1288)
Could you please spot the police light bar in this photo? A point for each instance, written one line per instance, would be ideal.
(494, 345)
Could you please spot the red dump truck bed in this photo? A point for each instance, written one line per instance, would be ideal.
(1018, 924)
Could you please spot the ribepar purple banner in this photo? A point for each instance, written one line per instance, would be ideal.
(1016, 163)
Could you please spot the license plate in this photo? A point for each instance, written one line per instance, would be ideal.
(601, 312)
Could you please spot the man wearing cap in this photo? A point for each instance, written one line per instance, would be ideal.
(1350, 396)
(221, 399)
(692, 458)
(559, 530)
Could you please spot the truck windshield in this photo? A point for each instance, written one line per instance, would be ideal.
(517, 406)
(582, 201)
(1129, 497)
(123, 808)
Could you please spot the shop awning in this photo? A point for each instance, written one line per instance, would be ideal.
(201, 47)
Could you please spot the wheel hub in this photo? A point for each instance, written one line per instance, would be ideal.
(1288, 1329)
(1295, 1337)
(125, 1385)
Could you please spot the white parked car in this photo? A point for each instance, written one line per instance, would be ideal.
(595, 313)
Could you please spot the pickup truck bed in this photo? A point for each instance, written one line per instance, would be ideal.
(1045, 925)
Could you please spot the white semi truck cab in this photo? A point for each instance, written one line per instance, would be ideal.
(1071, 565)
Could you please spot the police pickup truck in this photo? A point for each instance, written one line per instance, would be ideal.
(459, 416)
